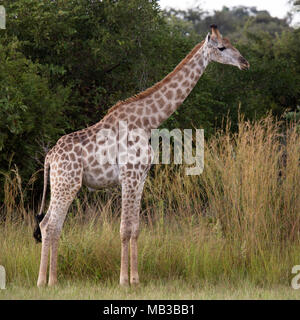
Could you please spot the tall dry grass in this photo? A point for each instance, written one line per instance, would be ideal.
(239, 220)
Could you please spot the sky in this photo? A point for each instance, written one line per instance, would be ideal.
(277, 8)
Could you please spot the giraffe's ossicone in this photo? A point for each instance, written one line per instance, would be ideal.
(116, 150)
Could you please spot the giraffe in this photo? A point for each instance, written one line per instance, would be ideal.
(73, 161)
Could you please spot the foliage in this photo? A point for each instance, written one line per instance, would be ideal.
(238, 221)
(98, 48)
(64, 63)
(272, 83)
(30, 111)
(232, 21)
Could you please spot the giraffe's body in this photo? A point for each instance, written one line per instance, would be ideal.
(74, 160)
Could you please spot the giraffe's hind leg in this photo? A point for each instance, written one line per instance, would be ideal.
(42, 279)
(56, 224)
(51, 227)
(62, 195)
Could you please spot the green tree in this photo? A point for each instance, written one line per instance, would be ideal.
(64, 63)
(30, 111)
(233, 21)
(98, 48)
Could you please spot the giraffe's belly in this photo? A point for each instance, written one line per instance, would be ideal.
(100, 176)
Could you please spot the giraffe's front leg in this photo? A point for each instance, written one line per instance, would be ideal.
(132, 191)
(129, 234)
(125, 237)
(133, 177)
(134, 275)
(128, 196)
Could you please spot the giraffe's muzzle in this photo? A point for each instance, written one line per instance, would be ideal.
(244, 64)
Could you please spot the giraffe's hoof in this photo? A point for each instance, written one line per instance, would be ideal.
(52, 283)
(41, 284)
(124, 283)
(134, 282)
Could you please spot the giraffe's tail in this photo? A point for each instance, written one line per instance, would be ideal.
(37, 231)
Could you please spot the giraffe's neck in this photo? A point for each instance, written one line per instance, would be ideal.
(174, 90)
(150, 108)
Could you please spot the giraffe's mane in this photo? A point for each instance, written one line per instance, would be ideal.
(159, 84)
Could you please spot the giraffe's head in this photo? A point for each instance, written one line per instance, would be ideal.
(221, 50)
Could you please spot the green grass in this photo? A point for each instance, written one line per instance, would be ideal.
(170, 289)
(232, 232)
(182, 262)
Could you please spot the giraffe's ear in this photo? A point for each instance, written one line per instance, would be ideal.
(216, 33)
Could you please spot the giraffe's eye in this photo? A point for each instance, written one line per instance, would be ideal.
(222, 48)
